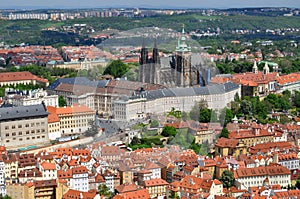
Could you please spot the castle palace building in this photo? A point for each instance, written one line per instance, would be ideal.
(182, 69)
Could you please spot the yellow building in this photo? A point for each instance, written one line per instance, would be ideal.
(73, 119)
(232, 147)
(156, 187)
(11, 168)
(45, 189)
(252, 136)
(203, 135)
(126, 175)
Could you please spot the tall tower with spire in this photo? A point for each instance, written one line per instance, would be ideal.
(266, 69)
(183, 62)
(255, 68)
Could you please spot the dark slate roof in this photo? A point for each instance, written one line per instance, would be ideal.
(83, 81)
(23, 112)
(191, 91)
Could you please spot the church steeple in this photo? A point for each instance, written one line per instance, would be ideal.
(155, 54)
(144, 54)
(266, 68)
(255, 68)
(182, 46)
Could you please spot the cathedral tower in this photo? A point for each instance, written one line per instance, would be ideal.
(183, 62)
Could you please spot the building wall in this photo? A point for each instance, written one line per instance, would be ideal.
(255, 181)
(80, 182)
(54, 130)
(17, 191)
(131, 108)
(76, 123)
(2, 179)
(24, 132)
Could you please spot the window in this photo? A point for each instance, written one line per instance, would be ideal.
(7, 134)
(13, 126)
(32, 124)
(27, 132)
(6, 127)
(28, 138)
(13, 134)
(32, 131)
(20, 139)
(20, 133)
(26, 125)
(20, 126)
(33, 138)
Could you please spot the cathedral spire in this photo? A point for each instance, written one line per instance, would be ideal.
(155, 54)
(255, 68)
(183, 31)
(182, 46)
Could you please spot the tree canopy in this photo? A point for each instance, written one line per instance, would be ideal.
(116, 68)
(168, 131)
(227, 178)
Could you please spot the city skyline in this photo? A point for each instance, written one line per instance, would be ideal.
(37, 4)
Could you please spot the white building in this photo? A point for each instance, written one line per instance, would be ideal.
(34, 97)
(79, 180)
(274, 174)
(2, 179)
(162, 101)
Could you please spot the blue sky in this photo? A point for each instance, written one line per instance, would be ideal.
(147, 3)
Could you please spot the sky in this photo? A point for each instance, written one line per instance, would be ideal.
(29, 4)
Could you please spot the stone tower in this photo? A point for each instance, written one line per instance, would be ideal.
(183, 62)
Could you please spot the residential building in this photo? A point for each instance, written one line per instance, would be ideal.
(256, 134)
(53, 126)
(32, 97)
(289, 82)
(270, 175)
(74, 119)
(72, 194)
(14, 78)
(2, 178)
(140, 193)
(77, 178)
(48, 170)
(157, 188)
(288, 160)
(24, 126)
(230, 147)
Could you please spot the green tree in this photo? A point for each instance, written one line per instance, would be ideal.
(296, 99)
(61, 101)
(226, 116)
(104, 191)
(298, 182)
(224, 133)
(205, 115)
(135, 140)
(195, 112)
(227, 178)
(168, 131)
(154, 124)
(246, 107)
(5, 197)
(116, 68)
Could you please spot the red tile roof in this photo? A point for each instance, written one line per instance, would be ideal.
(139, 194)
(155, 182)
(17, 76)
(227, 143)
(74, 194)
(48, 166)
